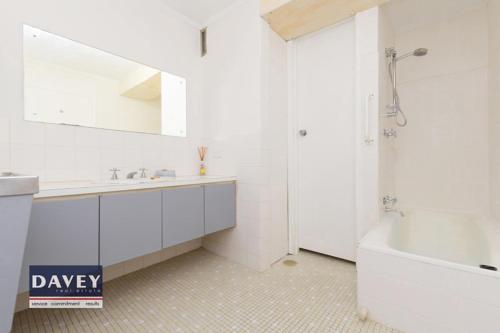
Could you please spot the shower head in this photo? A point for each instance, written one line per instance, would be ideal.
(420, 52)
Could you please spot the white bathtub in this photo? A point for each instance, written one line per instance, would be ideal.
(421, 273)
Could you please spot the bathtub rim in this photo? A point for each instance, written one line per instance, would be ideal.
(377, 240)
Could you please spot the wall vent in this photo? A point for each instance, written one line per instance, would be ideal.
(203, 41)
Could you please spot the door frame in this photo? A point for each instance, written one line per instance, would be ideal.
(293, 161)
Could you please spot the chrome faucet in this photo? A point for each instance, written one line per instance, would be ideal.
(131, 175)
(390, 133)
(143, 172)
(114, 176)
(389, 203)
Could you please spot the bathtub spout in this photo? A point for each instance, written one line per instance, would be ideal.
(389, 202)
(394, 210)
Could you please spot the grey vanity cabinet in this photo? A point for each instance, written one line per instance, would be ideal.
(220, 207)
(183, 215)
(61, 232)
(130, 225)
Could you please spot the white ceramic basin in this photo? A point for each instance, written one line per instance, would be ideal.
(16, 184)
(139, 181)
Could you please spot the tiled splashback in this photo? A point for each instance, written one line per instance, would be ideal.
(60, 152)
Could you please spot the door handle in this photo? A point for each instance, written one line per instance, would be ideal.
(303, 132)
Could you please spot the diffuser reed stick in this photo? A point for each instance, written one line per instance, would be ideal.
(202, 152)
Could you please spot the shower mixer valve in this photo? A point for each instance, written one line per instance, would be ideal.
(390, 133)
(389, 202)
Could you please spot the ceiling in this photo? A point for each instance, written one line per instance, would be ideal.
(405, 15)
(199, 11)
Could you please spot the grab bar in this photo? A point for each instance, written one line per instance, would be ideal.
(368, 135)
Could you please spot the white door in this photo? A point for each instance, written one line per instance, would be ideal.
(325, 97)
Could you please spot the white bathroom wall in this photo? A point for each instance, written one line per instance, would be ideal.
(494, 104)
(442, 154)
(367, 119)
(233, 126)
(274, 91)
(246, 130)
(146, 32)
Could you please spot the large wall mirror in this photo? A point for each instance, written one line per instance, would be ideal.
(66, 82)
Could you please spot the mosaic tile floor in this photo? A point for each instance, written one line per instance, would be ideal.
(201, 292)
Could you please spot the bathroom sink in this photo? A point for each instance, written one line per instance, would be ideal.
(139, 181)
(148, 180)
(16, 184)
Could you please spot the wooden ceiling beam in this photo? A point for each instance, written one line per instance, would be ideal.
(294, 18)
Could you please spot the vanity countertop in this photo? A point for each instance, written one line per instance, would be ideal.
(71, 188)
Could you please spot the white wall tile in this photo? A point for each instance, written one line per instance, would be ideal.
(132, 158)
(5, 157)
(57, 135)
(112, 158)
(60, 158)
(245, 129)
(27, 132)
(440, 160)
(27, 157)
(4, 130)
(494, 104)
(87, 137)
(112, 139)
(455, 45)
(88, 163)
(152, 157)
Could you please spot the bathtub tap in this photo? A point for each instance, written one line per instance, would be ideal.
(389, 203)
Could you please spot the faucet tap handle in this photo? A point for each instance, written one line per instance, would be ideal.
(143, 172)
(389, 200)
(114, 176)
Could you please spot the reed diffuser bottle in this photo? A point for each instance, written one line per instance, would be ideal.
(202, 151)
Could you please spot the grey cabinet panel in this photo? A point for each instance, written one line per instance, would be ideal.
(220, 207)
(183, 215)
(62, 232)
(130, 225)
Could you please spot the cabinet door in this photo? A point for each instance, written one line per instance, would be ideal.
(130, 225)
(220, 207)
(62, 232)
(183, 215)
